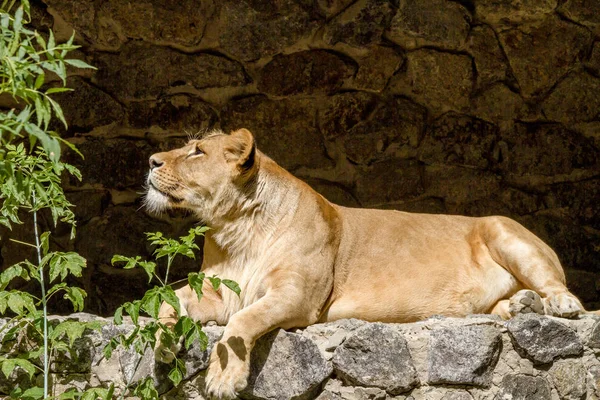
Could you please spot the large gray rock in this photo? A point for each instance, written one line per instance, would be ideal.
(594, 338)
(438, 23)
(569, 378)
(543, 339)
(376, 355)
(285, 365)
(524, 387)
(464, 355)
(361, 24)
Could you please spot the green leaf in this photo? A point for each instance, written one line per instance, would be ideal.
(176, 374)
(146, 390)
(216, 282)
(9, 364)
(58, 90)
(196, 281)
(45, 242)
(78, 63)
(66, 263)
(18, 302)
(118, 317)
(34, 393)
(232, 285)
(12, 272)
(39, 81)
(112, 344)
(149, 267)
(131, 261)
(76, 296)
(168, 294)
(151, 302)
(72, 329)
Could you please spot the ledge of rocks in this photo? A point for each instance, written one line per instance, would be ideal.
(479, 357)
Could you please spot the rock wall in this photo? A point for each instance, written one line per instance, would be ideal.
(474, 107)
(529, 357)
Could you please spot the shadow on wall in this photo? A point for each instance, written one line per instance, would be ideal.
(436, 107)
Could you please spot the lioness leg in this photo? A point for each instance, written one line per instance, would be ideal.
(532, 262)
(209, 308)
(229, 365)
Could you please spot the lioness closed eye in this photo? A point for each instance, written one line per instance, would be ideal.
(300, 259)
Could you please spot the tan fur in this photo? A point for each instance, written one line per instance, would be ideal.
(300, 259)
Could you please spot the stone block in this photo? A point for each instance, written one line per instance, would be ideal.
(464, 355)
(543, 339)
(376, 356)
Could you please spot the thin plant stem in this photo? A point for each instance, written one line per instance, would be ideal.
(130, 379)
(169, 261)
(23, 243)
(44, 300)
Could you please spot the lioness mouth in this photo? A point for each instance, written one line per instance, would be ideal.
(169, 196)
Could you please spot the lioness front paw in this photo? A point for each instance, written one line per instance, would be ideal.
(563, 305)
(227, 375)
(525, 301)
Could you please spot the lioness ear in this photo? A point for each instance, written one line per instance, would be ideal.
(242, 149)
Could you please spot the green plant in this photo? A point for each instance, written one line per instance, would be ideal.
(30, 181)
(143, 335)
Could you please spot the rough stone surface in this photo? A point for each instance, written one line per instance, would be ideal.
(436, 23)
(394, 129)
(140, 71)
(178, 113)
(456, 139)
(490, 62)
(586, 12)
(523, 387)
(569, 378)
(274, 123)
(543, 339)
(285, 365)
(87, 107)
(250, 29)
(542, 53)
(305, 72)
(403, 181)
(499, 12)
(372, 361)
(376, 356)
(575, 98)
(376, 67)
(499, 103)
(361, 24)
(464, 355)
(436, 79)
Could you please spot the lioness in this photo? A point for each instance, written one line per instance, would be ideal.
(300, 259)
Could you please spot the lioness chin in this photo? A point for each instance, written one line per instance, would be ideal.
(300, 259)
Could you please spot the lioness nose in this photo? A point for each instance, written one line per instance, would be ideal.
(155, 162)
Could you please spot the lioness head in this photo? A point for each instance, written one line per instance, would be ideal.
(206, 176)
